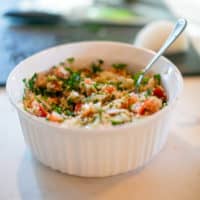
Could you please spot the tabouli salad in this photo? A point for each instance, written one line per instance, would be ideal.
(92, 96)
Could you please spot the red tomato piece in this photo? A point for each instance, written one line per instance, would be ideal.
(78, 107)
(53, 118)
(142, 110)
(159, 92)
(110, 89)
(43, 112)
(132, 99)
(88, 81)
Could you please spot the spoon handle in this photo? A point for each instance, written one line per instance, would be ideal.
(177, 30)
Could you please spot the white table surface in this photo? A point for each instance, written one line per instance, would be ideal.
(173, 175)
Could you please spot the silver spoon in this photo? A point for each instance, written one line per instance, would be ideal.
(177, 30)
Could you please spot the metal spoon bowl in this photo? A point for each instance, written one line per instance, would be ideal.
(176, 32)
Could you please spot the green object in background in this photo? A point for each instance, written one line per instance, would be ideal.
(86, 28)
(111, 14)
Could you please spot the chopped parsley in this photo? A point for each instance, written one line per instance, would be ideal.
(70, 102)
(136, 76)
(57, 109)
(97, 86)
(68, 69)
(31, 82)
(24, 80)
(69, 113)
(51, 78)
(145, 80)
(148, 92)
(115, 123)
(96, 68)
(157, 77)
(119, 85)
(164, 104)
(119, 66)
(100, 61)
(70, 60)
(62, 63)
(74, 80)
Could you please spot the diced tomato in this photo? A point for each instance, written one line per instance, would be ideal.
(78, 107)
(132, 99)
(89, 112)
(151, 105)
(88, 81)
(54, 118)
(43, 112)
(124, 105)
(159, 92)
(52, 100)
(110, 89)
(141, 110)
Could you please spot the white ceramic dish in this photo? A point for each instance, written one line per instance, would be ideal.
(101, 151)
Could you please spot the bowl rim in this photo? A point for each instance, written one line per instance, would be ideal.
(98, 129)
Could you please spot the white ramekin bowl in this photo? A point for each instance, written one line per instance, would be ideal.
(101, 151)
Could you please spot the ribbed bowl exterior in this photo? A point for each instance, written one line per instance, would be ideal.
(95, 155)
(95, 152)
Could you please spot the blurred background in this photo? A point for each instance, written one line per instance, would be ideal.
(28, 26)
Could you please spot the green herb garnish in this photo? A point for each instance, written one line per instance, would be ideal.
(100, 112)
(24, 80)
(148, 92)
(136, 76)
(164, 104)
(96, 68)
(115, 123)
(95, 101)
(145, 80)
(31, 82)
(57, 109)
(96, 85)
(74, 80)
(119, 66)
(70, 60)
(69, 113)
(68, 69)
(101, 61)
(157, 77)
(62, 63)
(51, 78)
(119, 85)
(70, 102)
